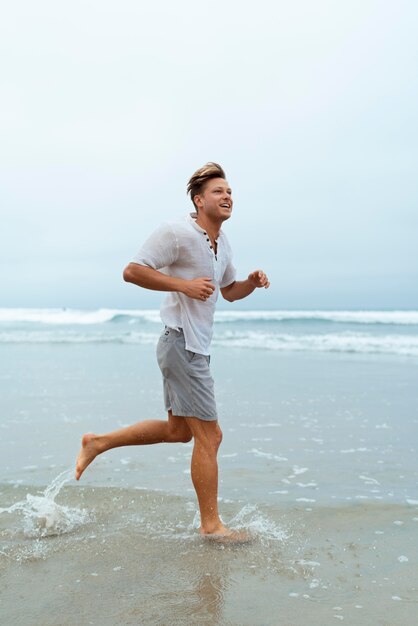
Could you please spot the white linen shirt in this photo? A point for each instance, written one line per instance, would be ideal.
(183, 249)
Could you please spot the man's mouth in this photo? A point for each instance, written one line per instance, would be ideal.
(226, 205)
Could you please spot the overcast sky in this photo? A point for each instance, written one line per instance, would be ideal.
(108, 107)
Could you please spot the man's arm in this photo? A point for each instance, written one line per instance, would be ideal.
(147, 277)
(243, 288)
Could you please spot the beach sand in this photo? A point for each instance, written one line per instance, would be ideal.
(137, 559)
(318, 461)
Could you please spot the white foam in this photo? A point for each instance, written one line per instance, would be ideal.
(75, 316)
(80, 316)
(299, 470)
(345, 341)
(261, 439)
(75, 336)
(307, 484)
(348, 341)
(356, 317)
(368, 480)
(267, 455)
(340, 343)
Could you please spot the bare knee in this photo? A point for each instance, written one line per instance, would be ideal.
(179, 435)
(218, 438)
(212, 441)
(184, 437)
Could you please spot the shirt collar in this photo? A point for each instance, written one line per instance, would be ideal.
(191, 218)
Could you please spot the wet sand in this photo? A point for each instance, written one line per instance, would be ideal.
(138, 559)
(318, 461)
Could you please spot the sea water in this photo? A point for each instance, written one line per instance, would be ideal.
(318, 461)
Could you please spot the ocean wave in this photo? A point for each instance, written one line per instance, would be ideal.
(69, 336)
(327, 342)
(76, 316)
(102, 316)
(355, 317)
(347, 342)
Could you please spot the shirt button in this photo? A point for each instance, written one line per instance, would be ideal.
(207, 239)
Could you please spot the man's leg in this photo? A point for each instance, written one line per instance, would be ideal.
(204, 470)
(147, 432)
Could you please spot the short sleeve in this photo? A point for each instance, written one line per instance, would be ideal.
(229, 275)
(159, 250)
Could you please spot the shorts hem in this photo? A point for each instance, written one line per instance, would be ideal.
(204, 418)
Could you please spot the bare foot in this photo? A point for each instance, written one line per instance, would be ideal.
(222, 534)
(89, 451)
(231, 536)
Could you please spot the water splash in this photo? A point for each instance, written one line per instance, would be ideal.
(43, 517)
(252, 519)
(260, 525)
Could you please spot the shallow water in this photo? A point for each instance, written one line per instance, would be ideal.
(318, 460)
(137, 553)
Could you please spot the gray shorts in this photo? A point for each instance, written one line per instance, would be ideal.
(188, 384)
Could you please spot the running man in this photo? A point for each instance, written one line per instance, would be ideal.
(192, 260)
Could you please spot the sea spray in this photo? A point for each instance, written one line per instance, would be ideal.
(250, 518)
(259, 524)
(43, 517)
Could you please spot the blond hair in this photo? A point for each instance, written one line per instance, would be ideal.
(197, 182)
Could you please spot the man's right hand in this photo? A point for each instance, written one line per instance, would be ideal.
(149, 278)
(199, 288)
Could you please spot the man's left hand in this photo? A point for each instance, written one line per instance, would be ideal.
(259, 279)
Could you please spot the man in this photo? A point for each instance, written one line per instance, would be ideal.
(191, 260)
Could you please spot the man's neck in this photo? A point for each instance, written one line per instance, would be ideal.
(212, 228)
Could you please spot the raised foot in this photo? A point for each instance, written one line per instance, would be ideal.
(89, 451)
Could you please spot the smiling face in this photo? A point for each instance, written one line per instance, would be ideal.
(215, 200)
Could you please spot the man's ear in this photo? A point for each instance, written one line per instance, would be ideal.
(197, 200)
